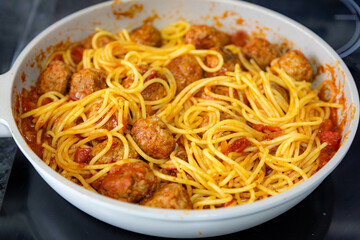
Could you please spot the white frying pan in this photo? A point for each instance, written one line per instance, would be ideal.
(231, 15)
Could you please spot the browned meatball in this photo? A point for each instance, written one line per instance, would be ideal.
(153, 137)
(261, 51)
(186, 70)
(205, 37)
(129, 182)
(230, 60)
(239, 38)
(110, 124)
(115, 153)
(85, 82)
(153, 92)
(55, 77)
(101, 41)
(296, 65)
(171, 196)
(146, 35)
(128, 81)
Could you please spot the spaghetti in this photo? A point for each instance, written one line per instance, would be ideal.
(241, 136)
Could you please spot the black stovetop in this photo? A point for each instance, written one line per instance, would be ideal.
(32, 210)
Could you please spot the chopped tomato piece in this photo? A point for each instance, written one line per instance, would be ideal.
(151, 75)
(228, 204)
(239, 145)
(82, 155)
(327, 125)
(58, 57)
(72, 96)
(77, 54)
(225, 148)
(271, 135)
(331, 138)
(328, 133)
(264, 128)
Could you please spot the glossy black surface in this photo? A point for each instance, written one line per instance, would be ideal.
(32, 210)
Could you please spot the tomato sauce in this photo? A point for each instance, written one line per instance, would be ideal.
(330, 134)
(265, 128)
(82, 155)
(225, 148)
(58, 57)
(130, 13)
(229, 204)
(239, 38)
(29, 100)
(270, 131)
(152, 75)
(239, 145)
(77, 53)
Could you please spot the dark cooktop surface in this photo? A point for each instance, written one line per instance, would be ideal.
(32, 210)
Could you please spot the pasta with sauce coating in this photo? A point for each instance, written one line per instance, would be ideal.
(183, 110)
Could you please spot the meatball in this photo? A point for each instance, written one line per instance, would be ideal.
(205, 37)
(239, 38)
(153, 137)
(110, 124)
(55, 77)
(128, 81)
(154, 91)
(129, 182)
(101, 41)
(85, 82)
(230, 60)
(261, 51)
(115, 153)
(171, 196)
(146, 35)
(296, 65)
(186, 70)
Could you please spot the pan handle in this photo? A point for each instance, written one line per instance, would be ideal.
(5, 103)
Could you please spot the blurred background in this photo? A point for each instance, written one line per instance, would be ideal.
(30, 209)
